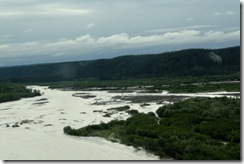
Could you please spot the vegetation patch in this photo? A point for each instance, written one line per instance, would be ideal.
(148, 99)
(194, 129)
(84, 95)
(26, 121)
(144, 105)
(43, 99)
(108, 115)
(196, 87)
(97, 111)
(132, 112)
(14, 91)
(120, 109)
(15, 125)
(40, 103)
(105, 102)
(48, 125)
(112, 111)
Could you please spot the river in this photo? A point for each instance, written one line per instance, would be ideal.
(32, 128)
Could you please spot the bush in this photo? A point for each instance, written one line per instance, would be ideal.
(151, 114)
(132, 112)
(160, 111)
(67, 130)
(122, 108)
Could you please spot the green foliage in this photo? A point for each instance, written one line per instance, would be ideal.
(14, 91)
(190, 62)
(173, 85)
(119, 109)
(132, 112)
(194, 129)
(201, 87)
(107, 115)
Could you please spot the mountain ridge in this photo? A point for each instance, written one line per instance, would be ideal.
(188, 62)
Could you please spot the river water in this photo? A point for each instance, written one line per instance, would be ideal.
(32, 128)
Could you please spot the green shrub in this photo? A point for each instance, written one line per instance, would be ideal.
(67, 130)
(132, 112)
(187, 130)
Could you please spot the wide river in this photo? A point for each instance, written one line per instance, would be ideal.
(32, 128)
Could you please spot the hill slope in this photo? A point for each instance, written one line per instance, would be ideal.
(190, 62)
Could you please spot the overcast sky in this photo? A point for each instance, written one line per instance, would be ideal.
(39, 31)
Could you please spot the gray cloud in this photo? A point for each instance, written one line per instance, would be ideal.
(88, 44)
(91, 25)
(227, 13)
(28, 30)
(182, 28)
(44, 11)
(60, 28)
(190, 19)
(230, 13)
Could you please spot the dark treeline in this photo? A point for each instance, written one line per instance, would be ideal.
(14, 91)
(187, 84)
(191, 62)
(194, 129)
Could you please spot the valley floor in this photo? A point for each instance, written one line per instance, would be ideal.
(32, 128)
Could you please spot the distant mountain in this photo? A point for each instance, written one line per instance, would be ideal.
(190, 62)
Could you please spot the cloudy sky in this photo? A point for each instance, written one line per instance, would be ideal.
(40, 31)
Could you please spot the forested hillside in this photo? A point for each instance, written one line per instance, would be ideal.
(190, 62)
